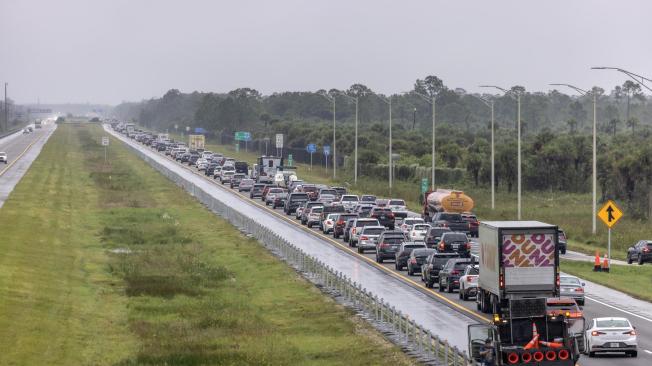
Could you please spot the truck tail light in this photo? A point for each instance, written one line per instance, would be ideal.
(557, 281)
(563, 354)
(538, 356)
(501, 281)
(551, 355)
(526, 357)
(512, 358)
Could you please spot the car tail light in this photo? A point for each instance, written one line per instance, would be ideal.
(538, 356)
(455, 272)
(384, 245)
(526, 357)
(470, 278)
(631, 332)
(443, 224)
(596, 333)
(340, 222)
(442, 245)
(364, 237)
(390, 215)
(563, 354)
(512, 358)
(468, 246)
(579, 289)
(645, 250)
(413, 260)
(353, 231)
(551, 355)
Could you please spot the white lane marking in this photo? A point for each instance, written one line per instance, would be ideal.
(619, 309)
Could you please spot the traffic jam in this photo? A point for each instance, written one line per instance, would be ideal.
(508, 270)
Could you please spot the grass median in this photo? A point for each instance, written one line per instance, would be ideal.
(113, 264)
(632, 279)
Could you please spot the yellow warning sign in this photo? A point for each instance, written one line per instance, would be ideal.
(610, 214)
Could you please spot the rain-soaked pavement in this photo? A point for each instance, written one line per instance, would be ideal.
(441, 313)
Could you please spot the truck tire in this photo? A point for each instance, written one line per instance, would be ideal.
(640, 260)
(629, 259)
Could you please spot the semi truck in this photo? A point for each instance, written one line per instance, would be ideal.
(266, 167)
(519, 271)
(445, 200)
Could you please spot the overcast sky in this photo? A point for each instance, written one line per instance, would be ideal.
(108, 51)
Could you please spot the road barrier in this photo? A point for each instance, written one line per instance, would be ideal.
(420, 342)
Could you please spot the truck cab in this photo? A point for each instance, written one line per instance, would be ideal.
(526, 334)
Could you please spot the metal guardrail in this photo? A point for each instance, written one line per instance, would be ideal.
(423, 343)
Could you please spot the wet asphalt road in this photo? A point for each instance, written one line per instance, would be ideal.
(603, 304)
(21, 150)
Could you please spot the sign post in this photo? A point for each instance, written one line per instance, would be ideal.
(327, 152)
(609, 214)
(105, 143)
(311, 148)
(279, 144)
(290, 161)
(424, 185)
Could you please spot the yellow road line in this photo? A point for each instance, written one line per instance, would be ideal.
(3, 171)
(341, 246)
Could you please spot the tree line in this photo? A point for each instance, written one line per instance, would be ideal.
(556, 129)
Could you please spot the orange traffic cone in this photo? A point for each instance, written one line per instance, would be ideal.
(552, 344)
(596, 266)
(605, 264)
(534, 343)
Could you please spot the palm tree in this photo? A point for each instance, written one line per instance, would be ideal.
(613, 125)
(572, 125)
(632, 123)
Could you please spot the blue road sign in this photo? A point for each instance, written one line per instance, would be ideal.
(327, 150)
(311, 148)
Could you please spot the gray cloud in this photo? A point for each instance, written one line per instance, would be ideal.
(114, 50)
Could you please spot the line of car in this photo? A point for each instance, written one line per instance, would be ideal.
(434, 251)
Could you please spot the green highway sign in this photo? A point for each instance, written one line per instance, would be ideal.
(242, 136)
(424, 185)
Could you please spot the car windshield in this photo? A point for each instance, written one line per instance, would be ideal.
(299, 197)
(442, 260)
(247, 181)
(329, 191)
(347, 217)
(413, 246)
(569, 281)
(422, 253)
(454, 237)
(474, 271)
(612, 323)
(382, 211)
(461, 266)
(373, 231)
(433, 233)
(397, 203)
(317, 209)
(366, 223)
(327, 196)
(368, 198)
(394, 240)
(450, 217)
(421, 227)
(350, 198)
(413, 221)
(275, 190)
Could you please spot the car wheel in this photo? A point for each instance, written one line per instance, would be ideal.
(633, 353)
(410, 272)
(336, 236)
(563, 251)
(380, 259)
(580, 302)
(449, 287)
(440, 287)
(591, 354)
(428, 284)
(395, 264)
(309, 225)
(640, 260)
(629, 259)
(360, 250)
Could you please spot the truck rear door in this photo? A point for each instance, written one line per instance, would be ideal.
(529, 259)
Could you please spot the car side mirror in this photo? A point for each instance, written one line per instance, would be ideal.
(583, 284)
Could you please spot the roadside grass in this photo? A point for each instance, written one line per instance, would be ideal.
(570, 211)
(632, 279)
(159, 279)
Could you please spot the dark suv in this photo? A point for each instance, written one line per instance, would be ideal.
(338, 228)
(257, 190)
(294, 201)
(404, 252)
(456, 243)
(384, 215)
(431, 267)
(449, 276)
(434, 235)
(417, 259)
(474, 225)
(389, 243)
(641, 252)
(562, 242)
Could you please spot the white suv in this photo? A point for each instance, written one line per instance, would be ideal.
(3, 157)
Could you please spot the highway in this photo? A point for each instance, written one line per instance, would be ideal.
(21, 151)
(403, 291)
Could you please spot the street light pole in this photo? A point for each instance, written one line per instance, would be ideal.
(332, 100)
(6, 114)
(516, 96)
(636, 77)
(432, 100)
(490, 103)
(388, 100)
(594, 178)
(355, 149)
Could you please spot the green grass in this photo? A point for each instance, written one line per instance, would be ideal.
(619, 277)
(113, 264)
(571, 211)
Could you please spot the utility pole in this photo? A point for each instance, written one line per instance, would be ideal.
(490, 103)
(594, 177)
(517, 96)
(388, 100)
(6, 114)
(432, 100)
